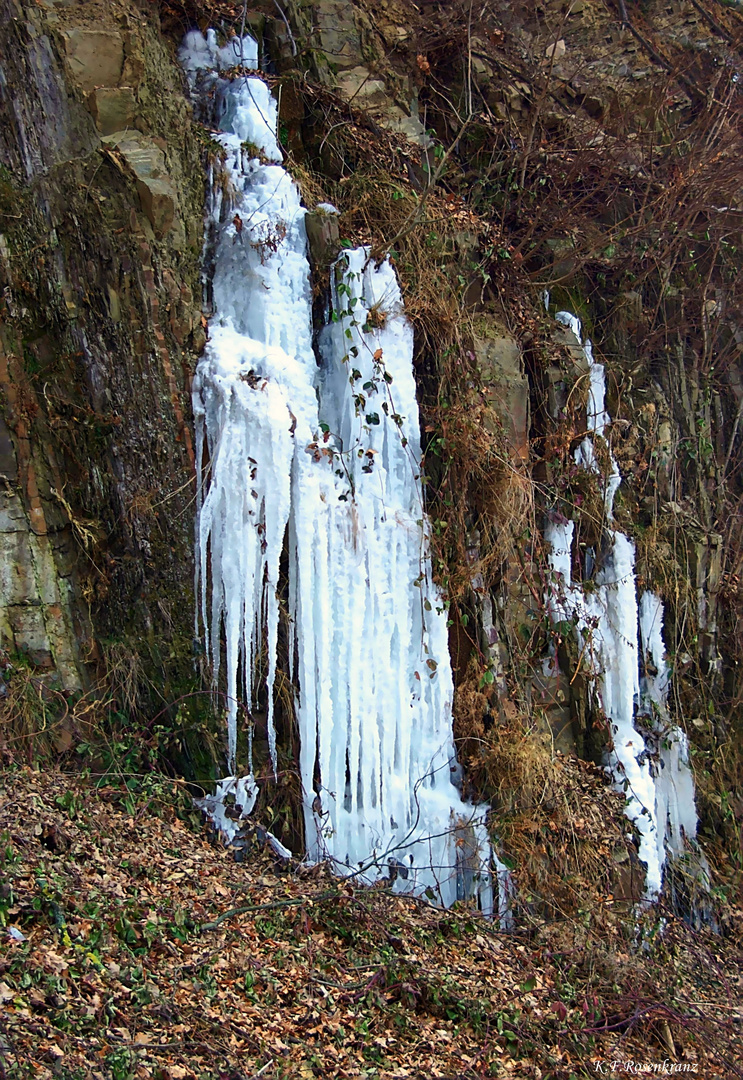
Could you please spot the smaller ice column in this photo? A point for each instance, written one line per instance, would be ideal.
(658, 786)
(675, 808)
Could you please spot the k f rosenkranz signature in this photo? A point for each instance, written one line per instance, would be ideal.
(646, 1068)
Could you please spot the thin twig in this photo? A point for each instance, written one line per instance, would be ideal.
(294, 53)
(712, 22)
(655, 55)
(244, 908)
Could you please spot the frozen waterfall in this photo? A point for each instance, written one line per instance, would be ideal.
(319, 462)
(653, 772)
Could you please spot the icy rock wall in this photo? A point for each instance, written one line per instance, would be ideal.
(326, 456)
(619, 639)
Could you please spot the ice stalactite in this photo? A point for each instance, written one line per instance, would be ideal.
(606, 623)
(379, 696)
(322, 458)
(658, 785)
(255, 380)
(675, 809)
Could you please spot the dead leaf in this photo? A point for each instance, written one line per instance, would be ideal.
(54, 963)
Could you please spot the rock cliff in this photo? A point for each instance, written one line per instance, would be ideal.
(513, 161)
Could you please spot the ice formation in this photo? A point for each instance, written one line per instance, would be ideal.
(675, 809)
(658, 786)
(322, 458)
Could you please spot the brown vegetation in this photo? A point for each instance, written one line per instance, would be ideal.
(135, 948)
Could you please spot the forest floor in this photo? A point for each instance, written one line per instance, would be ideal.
(134, 945)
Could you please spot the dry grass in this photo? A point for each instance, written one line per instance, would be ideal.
(38, 722)
(124, 676)
(374, 208)
(108, 721)
(557, 817)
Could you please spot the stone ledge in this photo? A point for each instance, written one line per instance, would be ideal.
(112, 108)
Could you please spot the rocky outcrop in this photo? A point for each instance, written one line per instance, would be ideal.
(37, 616)
(101, 185)
(501, 367)
(570, 154)
(144, 161)
(341, 36)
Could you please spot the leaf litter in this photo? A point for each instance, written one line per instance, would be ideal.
(135, 945)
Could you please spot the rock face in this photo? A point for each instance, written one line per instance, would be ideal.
(96, 57)
(101, 192)
(36, 615)
(362, 90)
(520, 119)
(143, 159)
(345, 34)
(323, 235)
(113, 108)
(507, 388)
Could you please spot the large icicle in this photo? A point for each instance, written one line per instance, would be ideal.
(330, 454)
(254, 386)
(660, 795)
(675, 810)
(379, 693)
(606, 623)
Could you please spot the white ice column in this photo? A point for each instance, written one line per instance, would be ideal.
(322, 462)
(675, 807)
(653, 773)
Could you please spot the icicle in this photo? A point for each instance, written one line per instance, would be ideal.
(674, 784)
(655, 669)
(617, 650)
(571, 322)
(331, 458)
(253, 386)
(607, 621)
(231, 804)
(597, 418)
(202, 54)
(382, 707)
